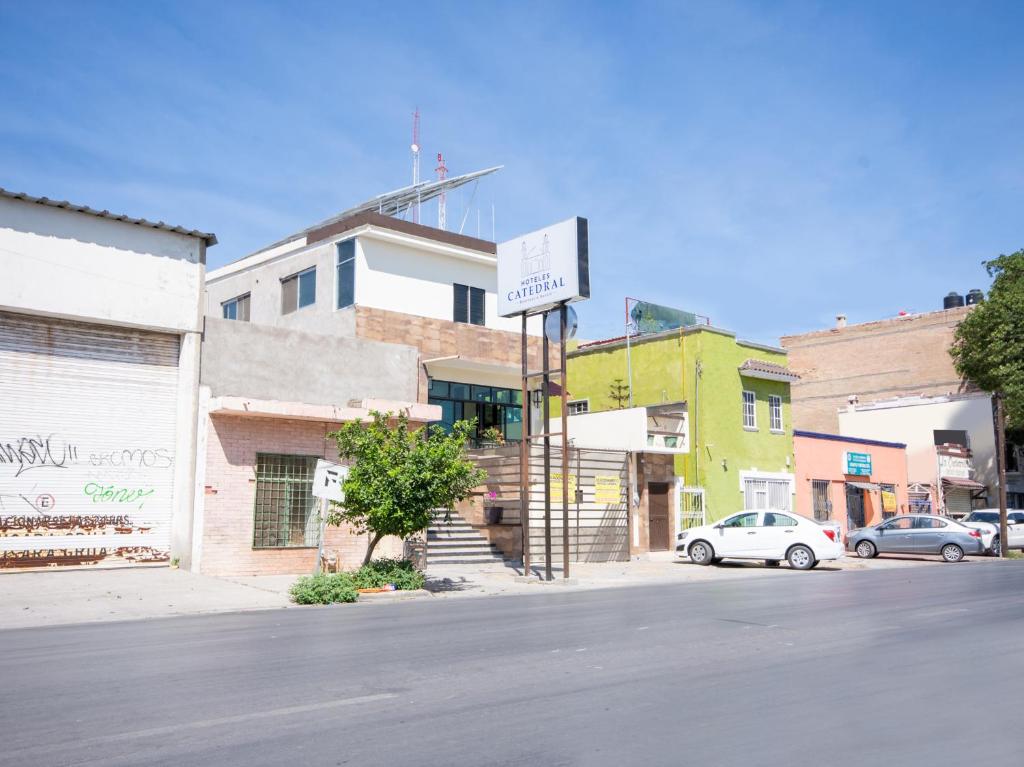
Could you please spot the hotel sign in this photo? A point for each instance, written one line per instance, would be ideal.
(539, 270)
(857, 464)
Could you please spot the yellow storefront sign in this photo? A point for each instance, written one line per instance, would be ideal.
(888, 501)
(608, 489)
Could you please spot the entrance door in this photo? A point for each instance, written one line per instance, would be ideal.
(854, 508)
(657, 509)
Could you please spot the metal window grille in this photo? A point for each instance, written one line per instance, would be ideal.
(691, 508)
(767, 494)
(579, 407)
(920, 503)
(821, 499)
(284, 515)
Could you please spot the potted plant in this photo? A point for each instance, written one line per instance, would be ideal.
(492, 512)
(492, 436)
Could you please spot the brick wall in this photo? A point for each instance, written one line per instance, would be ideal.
(873, 360)
(230, 493)
(442, 338)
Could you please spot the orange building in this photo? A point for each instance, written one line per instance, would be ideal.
(855, 482)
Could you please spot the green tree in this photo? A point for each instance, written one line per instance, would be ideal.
(618, 393)
(988, 349)
(398, 477)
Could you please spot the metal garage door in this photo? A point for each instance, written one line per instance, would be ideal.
(87, 440)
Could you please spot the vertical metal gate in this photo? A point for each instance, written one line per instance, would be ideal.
(692, 512)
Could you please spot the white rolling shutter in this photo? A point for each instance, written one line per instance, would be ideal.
(87, 439)
(958, 501)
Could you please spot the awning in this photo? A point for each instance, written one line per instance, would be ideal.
(871, 486)
(969, 484)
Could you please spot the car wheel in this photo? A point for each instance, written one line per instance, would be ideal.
(800, 558)
(815, 563)
(996, 550)
(952, 553)
(701, 553)
(771, 563)
(866, 550)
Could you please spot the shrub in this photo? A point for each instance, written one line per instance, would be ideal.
(324, 589)
(380, 572)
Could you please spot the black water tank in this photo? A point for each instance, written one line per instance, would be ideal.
(952, 301)
(974, 296)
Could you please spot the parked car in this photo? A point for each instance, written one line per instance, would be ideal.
(769, 535)
(917, 534)
(987, 520)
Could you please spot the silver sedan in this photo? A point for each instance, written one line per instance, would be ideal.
(917, 534)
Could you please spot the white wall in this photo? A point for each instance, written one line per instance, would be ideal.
(67, 264)
(913, 424)
(624, 429)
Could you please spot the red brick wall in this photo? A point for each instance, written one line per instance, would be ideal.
(230, 493)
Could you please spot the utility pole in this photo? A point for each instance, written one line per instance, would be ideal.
(1000, 419)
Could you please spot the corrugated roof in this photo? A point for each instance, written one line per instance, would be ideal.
(207, 237)
(768, 368)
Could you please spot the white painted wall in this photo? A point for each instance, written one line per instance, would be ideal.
(913, 419)
(62, 263)
(624, 429)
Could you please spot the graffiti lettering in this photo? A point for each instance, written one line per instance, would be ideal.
(144, 458)
(88, 522)
(36, 452)
(114, 494)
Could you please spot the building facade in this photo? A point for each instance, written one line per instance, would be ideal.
(100, 325)
(380, 278)
(734, 398)
(897, 357)
(853, 481)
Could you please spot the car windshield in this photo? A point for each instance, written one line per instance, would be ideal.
(982, 516)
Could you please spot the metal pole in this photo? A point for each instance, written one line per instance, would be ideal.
(322, 507)
(1004, 547)
(524, 456)
(629, 359)
(547, 455)
(562, 313)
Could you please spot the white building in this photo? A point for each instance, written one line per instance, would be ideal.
(100, 325)
(925, 423)
(381, 278)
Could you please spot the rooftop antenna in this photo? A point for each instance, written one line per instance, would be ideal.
(416, 160)
(442, 174)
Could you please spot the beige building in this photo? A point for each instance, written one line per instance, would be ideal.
(897, 357)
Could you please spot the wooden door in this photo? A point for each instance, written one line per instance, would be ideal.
(659, 530)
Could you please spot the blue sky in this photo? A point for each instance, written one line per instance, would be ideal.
(766, 164)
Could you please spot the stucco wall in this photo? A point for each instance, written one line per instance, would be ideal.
(67, 264)
(243, 359)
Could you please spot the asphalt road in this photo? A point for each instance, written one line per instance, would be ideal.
(918, 666)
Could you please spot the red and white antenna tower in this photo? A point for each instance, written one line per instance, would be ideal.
(416, 160)
(442, 174)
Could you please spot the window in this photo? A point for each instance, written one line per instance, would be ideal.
(821, 499)
(767, 494)
(298, 290)
(778, 520)
(900, 523)
(749, 410)
(919, 503)
(346, 273)
(284, 515)
(889, 511)
(950, 437)
(928, 523)
(491, 406)
(775, 413)
(468, 304)
(236, 308)
(741, 520)
(578, 407)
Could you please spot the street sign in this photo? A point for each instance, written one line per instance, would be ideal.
(857, 464)
(328, 481)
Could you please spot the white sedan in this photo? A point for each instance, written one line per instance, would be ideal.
(769, 535)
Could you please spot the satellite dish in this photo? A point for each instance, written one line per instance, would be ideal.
(553, 325)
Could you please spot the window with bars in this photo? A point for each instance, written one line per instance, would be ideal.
(775, 412)
(579, 407)
(821, 499)
(767, 494)
(920, 503)
(749, 410)
(468, 304)
(284, 513)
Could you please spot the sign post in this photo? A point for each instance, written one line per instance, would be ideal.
(539, 272)
(328, 485)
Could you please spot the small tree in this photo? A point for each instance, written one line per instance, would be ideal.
(618, 392)
(988, 349)
(400, 477)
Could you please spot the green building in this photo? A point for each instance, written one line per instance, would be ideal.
(736, 398)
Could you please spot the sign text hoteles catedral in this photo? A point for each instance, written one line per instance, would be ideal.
(539, 270)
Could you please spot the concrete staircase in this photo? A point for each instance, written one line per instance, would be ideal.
(458, 543)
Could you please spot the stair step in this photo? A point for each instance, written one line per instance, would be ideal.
(463, 561)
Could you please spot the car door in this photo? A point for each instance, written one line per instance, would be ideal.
(1015, 532)
(926, 535)
(894, 535)
(777, 534)
(737, 535)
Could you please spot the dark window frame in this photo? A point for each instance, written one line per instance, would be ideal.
(346, 283)
(284, 486)
(469, 304)
(235, 303)
(297, 279)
